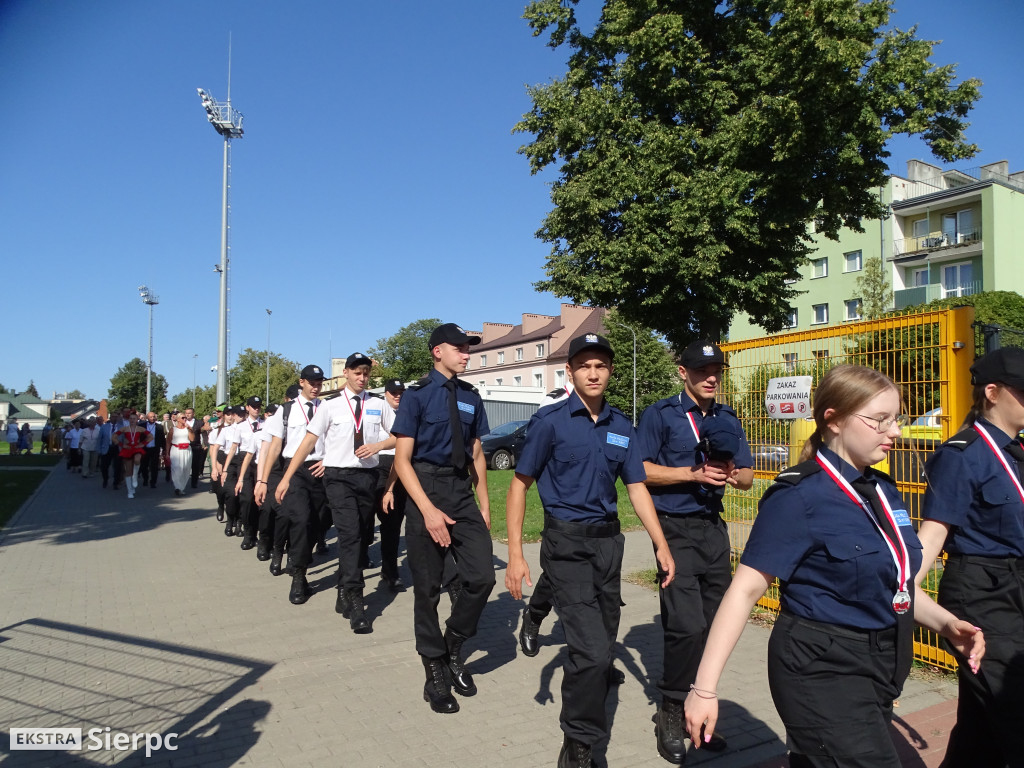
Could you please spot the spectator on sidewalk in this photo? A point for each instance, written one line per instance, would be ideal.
(12, 436)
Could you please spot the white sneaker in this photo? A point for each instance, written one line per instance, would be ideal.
(131, 495)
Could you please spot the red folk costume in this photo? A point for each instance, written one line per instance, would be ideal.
(132, 441)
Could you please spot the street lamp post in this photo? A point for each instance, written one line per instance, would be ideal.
(194, 358)
(634, 364)
(267, 401)
(150, 298)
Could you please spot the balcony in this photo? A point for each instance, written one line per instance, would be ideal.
(937, 241)
(922, 294)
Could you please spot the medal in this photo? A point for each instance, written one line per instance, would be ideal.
(901, 602)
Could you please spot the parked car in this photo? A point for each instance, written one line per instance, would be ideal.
(503, 446)
(770, 458)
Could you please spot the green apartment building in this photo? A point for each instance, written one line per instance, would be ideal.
(950, 233)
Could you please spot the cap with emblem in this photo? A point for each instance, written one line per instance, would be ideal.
(590, 341)
(450, 333)
(272, 409)
(393, 386)
(293, 391)
(700, 353)
(255, 402)
(312, 373)
(1004, 365)
(239, 410)
(357, 359)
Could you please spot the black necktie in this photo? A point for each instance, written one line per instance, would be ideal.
(455, 424)
(309, 411)
(904, 621)
(1015, 450)
(357, 412)
(255, 426)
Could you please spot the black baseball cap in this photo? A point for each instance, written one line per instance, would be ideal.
(1004, 365)
(255, 402)
(272, 409)
(701, 353)
(239, 410)
(312, 373)
(590, 341)
(293, 391)
(357, 359)
(393, 386)
(450, 333)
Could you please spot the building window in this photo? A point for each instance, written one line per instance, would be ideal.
(483, 361)
(560, 377)
(821, 354)
(519, 353)
(497, 382)
(819, 267)
(467, 363)
(820, 314)
(482, 383)
(853, 307)
(517, 381)
(538, 379)
(501, 358)
(957, 280)
(853, 261)
(791, 321)
(540, 350)
(919, 278)
(789, 358)
(958, 227)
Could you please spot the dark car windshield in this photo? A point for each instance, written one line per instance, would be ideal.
(506, 429)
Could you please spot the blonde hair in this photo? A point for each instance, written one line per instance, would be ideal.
(843, 390)
(979, 405)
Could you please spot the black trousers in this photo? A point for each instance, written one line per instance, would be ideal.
(350, 494)
(833, 688)
(390, 522)
(989, 592)
(273, 522)
(451, 491)
(303, 506)
(198, 461)
(150, 469)
(108, 458)
(542, 598)
(584, 572)
(248, 512)
(700, 548)
(228, 482)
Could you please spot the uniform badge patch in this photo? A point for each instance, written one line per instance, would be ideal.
(901, 516)
(467, 407)
(620, 440)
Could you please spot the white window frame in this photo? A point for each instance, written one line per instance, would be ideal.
(560, 377)
(540, 350)
(958, 290)
(501, 358)
(519, 354)
(538, 380)
(814, 311)
(821, 354)
(823, 263)
(483, 361)
(859, 255)
(794, 319)
(914, 272)
(856, 303)
(790, 359)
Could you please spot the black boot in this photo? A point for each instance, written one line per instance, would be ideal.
(275, 563)
(462, 681)
(357, 614)
(668, 727)
(229, 529)
(437, 689)
(343, 604)
(300, 590)
(263, 551)
(220, 514)
(248, 540)
(528, 633)
(574, 754)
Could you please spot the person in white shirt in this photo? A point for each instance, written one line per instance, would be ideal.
(230, 466)
(89, 438)
(355, 427)
(217, 451)
(74, 441)
(245, 486)
(270, 524)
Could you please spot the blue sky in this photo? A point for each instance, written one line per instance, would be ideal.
(378, 181)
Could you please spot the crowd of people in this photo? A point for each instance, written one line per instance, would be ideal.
(833, 530)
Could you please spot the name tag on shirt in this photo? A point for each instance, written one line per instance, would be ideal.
(467, 407)
(901, 516)
(620, 440)
(373, 411)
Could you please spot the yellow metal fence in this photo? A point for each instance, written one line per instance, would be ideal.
(927, 354)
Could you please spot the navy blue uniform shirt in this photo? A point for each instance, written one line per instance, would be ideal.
(424, 417)
(832, 561)
(970, 491)
(576, 460)
(667, 439)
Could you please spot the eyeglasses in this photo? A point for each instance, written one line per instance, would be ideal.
(882, 424)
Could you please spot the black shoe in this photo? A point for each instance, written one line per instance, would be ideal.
(247, 541)
(668, 728)
(462, 681)
(300, 590)
(437, 689)
(394, 583)
(220, 515)
(289, 568)
(229, 529)
(275, 563)
(239, 529)
(528, 640)
(177, 492)
(616, 676)
(262, 552)
(357, 614)
(343, 604)
(574, 754)
(195, 483)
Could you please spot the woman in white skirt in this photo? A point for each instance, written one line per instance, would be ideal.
(179, 448)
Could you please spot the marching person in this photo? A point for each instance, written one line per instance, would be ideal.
(105, 448)
(837, 535)
(437, 455)
(389, 501)
(576, 450)
(89, 443)
(974, 509)
(303, 496)
(249, 441)
(131, 441)
(73, 438)
(198, 451)
(692, 447)
(157, 442)
(179, 449)
(352, 427)
(272, 530)
(230, 471)
(217, 450)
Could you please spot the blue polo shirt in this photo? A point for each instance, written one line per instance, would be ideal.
(576, 460)
(832, 561)
(424, 417)
(969, 490)
(667, 439)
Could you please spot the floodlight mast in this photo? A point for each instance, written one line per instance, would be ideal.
(227, 121)
(151, 299)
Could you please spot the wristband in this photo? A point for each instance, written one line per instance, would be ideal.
(262, 481)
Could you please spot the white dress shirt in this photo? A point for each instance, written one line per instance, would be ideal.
(334, 421)
(298, 422)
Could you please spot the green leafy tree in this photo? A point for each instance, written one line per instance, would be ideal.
(31, 390)
(205, 399)
(656, 370)
(696, 142)
(873, 286)
(248, 377)
(3, 390)
(77, 394)
(128, 388)
(405, 354)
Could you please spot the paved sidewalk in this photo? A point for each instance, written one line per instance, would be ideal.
(140, 616)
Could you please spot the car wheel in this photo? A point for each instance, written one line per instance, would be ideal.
(501, 460)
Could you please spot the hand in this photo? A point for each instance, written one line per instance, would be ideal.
(711, 473)
(318, 469)
(486, 515)
(238, 487)
(214, 474)
(282, 489)
(437, 523)
(968, 640)
(366, 450)
(260, 493)
(666, 564)
(388, 501)
(515, 572)
(700, 717)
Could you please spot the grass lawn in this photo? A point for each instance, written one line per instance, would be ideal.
(497, 486)
(15, 487)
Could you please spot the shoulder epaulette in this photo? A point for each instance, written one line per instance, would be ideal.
(419, 383)
(798, 472)
(962, 439)
(467, 386)
(872, 472)
(556, 393)
(373, 394)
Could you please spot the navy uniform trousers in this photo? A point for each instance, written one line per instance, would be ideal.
(583, 567)
(451, 491)
(390, 522)
(988, 592)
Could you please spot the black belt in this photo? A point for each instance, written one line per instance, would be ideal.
(435, 469)
(591, 530)
(887, 635)
(1009, 563)
(353, 470)
(705, 514)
